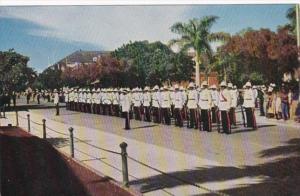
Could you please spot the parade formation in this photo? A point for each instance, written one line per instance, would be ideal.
(197, 107)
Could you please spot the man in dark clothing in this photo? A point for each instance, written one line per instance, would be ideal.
(261, 101)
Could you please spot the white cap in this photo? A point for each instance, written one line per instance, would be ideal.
(213, 86)
(248, 84)
(191, 85)
(204, 83)
(155, 87)
(223, 83)
(176, 86)
(229, 85)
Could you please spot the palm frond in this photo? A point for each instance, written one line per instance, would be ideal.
(219, 36)
(206, 22)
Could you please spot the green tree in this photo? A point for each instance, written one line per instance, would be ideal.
(152, 63)
(196, 35)
(15, 75)
(51, 78)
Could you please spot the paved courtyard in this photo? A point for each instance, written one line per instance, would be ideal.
(263, 162)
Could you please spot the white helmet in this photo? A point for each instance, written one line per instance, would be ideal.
(223, 83)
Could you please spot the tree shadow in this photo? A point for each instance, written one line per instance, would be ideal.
(59, 142)
(278, 177)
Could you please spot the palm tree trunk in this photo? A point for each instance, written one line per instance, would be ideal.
(197, 61)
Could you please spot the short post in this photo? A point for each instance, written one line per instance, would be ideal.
(71, 142)
(28, 119)
(123, 146)
(44, 129)
(17, 118)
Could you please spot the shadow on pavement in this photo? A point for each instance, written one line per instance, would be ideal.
(278, 177)
(146, 126)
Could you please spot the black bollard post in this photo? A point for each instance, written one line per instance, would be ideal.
(123, 146)
(44, 129)
(28, 119)
(71, 142)
(17, 118)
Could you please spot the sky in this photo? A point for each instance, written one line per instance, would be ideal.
(48, 33)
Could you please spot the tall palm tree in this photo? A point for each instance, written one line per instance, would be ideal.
(196, 35)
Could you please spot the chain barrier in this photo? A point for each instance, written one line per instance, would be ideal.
(131, 158)
(97, 147)
(36, 123)
(176, 178)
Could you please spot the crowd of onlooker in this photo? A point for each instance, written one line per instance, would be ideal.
(279, 103)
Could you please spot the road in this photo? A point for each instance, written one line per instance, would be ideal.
(246, 162)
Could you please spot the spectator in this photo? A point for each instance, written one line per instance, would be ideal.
(284, 103)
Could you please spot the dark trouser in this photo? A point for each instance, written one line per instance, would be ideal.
(251, 122)
(147, 114)
(71, 105)
(57, 109)
(166, 115)
(205, 118)
(225, 122)
(261, 107)
(172, 111)
(285, 110)
(214, 114)
(105, 109)
(178, 117)
(38, 100)
(193, 119)
(116, 110)
(127, 120)
(137, 113)
(156, 116)
(232, 116)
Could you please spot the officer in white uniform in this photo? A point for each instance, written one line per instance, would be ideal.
(205, 102)
(71, 99)
(56, 101)
(224, 107)
(172, 97)
(147, 104)
(215, 101)
(125, 101)
(233, 104)
(76, 100)
(156, 104)
(166, 105)
(93, 101)
(88, 101)
(115, 102)
(249, 105)
(178, 106)
(192, 101)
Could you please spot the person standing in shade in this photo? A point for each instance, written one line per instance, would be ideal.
(205, 103)
(56, 101)
(66, 96)
(192, 106)
(125, 104)
(224, 106)
(249, 105)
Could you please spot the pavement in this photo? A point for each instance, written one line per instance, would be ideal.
(245, 162)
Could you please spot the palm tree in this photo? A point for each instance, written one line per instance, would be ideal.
(196, 35)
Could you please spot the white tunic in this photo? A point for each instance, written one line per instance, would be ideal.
(178, 99)
(249, 99)
(205, 100)
(233, 98)
(76, 97)
(192, 99)
(225, 100)
(165, 99)
(56, 98)
(89, 98)
(125, 103)
(146, 99)
(215, 98)
(156, 99)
